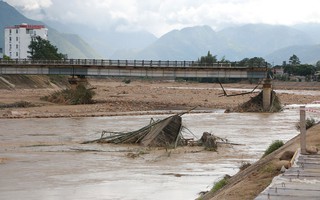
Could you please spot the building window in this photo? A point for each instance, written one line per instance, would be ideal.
(17, 54)
(10, 47)
(17, 38)
(10, 31)
(17, 31)
(17, 46)
(10, 39)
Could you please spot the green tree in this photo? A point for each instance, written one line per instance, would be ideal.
(41, 49)
(208, 59)
(294, 60)
(5, 57)
(253, 62)
(300, 70)
(318, 65)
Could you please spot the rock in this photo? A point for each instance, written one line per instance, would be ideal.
(205, 136)
(283, 169)
(312, 150)
(211, 143)
(282, 163)
(287, 155)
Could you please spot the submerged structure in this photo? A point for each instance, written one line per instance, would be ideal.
(160, 133)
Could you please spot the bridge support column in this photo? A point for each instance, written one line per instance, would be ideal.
(267, 90)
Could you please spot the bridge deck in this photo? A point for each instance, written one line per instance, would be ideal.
(137, 68)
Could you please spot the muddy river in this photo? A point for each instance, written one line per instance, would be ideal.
(43, 158)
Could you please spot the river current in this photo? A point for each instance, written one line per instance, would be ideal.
(45, 160)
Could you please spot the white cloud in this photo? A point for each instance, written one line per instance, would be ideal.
(160, 16)
(29, 5)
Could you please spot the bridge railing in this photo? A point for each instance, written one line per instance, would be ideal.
(120, 63)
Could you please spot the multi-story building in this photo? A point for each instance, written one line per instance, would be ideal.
(18, 38)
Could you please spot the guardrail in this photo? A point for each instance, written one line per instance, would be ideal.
(124, 63)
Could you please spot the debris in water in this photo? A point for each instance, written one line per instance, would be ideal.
(255, 104)
(160, 133)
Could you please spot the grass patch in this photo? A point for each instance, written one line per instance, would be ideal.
(220, 184)
(80, 95)
(273, 146)
(310, 122)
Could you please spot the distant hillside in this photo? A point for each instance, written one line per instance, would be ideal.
(234, 43)
(306, 53)
(107, 41)
(185, 44)
(261, 39)
(72, 45)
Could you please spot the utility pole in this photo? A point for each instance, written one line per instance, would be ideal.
(303, 130)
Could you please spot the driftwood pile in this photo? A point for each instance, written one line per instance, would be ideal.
(255, 104)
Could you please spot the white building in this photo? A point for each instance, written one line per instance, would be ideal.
(18, 38)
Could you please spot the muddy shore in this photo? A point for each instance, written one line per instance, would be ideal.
(114, 97)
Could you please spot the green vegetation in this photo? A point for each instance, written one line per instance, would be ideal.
(295, 68)
(126, 81)
(273, 146)
(220, 184)
(41, 49)
(310, 122)
(80, 95)
(253, 62)
(294, 60)
(208, 59)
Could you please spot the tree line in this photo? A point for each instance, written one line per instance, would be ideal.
(293, 68)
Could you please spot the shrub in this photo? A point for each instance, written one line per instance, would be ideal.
(273, 146)
(81, 95)
(310, 122)
(126, 81)
(220, 184)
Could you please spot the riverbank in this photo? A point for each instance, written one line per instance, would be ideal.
(259, 175)
(114, 97)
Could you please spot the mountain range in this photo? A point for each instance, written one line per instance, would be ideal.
(275, 43)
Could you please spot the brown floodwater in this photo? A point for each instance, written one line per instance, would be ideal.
(45, 160)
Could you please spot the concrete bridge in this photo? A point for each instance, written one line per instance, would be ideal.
(130, 68)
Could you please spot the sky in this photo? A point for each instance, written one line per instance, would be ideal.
(162, 16)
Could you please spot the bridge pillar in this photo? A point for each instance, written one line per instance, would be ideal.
(266, 93)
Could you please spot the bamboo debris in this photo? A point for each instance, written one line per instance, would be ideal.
(163, 132)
